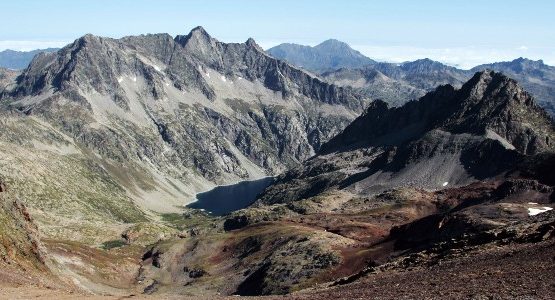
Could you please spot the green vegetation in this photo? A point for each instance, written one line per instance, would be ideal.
(187, 220)
(70, 194)
(113, 244)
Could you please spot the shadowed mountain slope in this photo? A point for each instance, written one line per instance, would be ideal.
(448, 137)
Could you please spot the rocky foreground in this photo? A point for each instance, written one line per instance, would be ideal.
(507, 262)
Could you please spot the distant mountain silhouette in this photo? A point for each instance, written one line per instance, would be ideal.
(397, 83)
(17, 60)
(329, 55)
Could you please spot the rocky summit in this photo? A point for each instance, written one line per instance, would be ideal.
(449, 137)
(444, 188)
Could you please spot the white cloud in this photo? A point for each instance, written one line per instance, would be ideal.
(31, 45)
(462, 57)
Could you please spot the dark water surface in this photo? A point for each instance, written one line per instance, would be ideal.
(227, 198)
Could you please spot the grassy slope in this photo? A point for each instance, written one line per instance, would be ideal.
(68, 191)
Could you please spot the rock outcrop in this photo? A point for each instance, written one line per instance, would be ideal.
(20, 246)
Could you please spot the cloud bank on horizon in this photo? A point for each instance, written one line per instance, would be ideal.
(30, 45)
(460, 57)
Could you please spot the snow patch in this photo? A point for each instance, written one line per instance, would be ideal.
(120, 79)
(537, 211)
(134, 79)
(157, 68)
(223, 78)
(167, 84)
(445, 183)
(207, 74)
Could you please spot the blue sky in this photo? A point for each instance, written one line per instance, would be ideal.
(461, 33)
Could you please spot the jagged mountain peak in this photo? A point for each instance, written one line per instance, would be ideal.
(86, 41)
(537, 77)
(493, 101)
(89, 37)
(197, 36)
(489, 101)
(98, 64)
(483, 79)
(252, 43)
(199, 30)
(488, 87)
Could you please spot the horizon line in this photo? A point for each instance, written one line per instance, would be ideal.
(462, 57)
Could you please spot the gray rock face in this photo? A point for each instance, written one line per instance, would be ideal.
(188, 108)
(535, 76)
(21, 246)
(7, 78)
(448, 137)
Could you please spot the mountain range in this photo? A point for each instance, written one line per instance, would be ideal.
(146, 122)
(336, 62)
(399, 83)
(447, 179)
